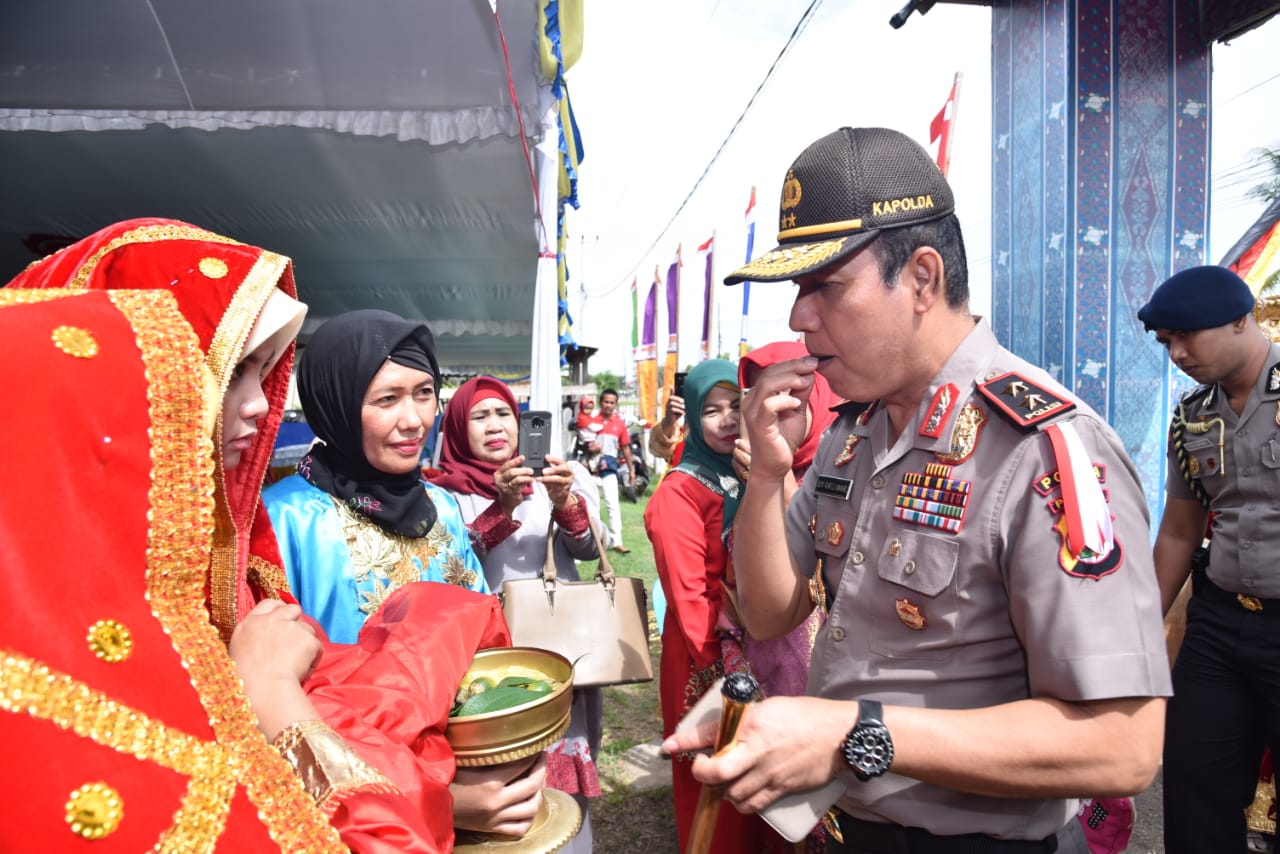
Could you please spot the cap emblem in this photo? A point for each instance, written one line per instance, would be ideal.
(791, 191)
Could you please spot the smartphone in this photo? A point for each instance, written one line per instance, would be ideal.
(677, 387)
(535, 439)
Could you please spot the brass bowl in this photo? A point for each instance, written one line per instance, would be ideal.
(507, 735)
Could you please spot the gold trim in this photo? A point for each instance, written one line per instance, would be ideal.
(224, 353)
(177, 567)
(821, 228)
(145, 234)
(270, 579)
(25, 296)
(326, 764)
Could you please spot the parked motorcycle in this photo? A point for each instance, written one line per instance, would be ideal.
(628, 490)
(633, 491)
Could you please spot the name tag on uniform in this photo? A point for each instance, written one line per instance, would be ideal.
(834, 487)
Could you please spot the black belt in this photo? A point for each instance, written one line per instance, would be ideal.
(1256, 604)
(874, 836)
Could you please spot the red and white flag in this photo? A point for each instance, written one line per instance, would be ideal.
(944, 125)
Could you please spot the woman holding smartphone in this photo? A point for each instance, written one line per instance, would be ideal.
(510, 512)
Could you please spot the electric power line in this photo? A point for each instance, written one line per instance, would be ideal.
(791, 40)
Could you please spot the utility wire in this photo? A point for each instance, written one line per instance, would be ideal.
(791, 40)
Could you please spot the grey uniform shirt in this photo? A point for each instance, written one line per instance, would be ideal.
(950, 584)
(1242, 479)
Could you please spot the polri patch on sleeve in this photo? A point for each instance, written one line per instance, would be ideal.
(1023, 402)
(834, 487)
(1273, 378)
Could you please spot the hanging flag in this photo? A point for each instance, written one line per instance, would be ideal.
(746, 286)
(635, 321)
(1256, 256)
(707, 249)
(673, 327)
(944, 125)
(646, 357)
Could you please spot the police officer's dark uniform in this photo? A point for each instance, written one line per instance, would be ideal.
(950, 558)
(1226, 705)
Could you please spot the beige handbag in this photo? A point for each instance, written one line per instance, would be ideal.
(601, 625)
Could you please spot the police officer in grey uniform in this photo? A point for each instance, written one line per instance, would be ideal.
(1224, 459)
(993, 645)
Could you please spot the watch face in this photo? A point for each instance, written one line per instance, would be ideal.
(868, 750)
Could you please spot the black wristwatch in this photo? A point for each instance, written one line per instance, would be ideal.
(868, 748)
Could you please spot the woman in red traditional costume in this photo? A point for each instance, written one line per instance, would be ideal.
(687, 521)
(222, 289)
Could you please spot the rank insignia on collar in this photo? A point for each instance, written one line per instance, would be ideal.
(964, 438)
(910, 614)
(865, 415)
(1023, 402)
(939, 408)
(847, 453)
(835, 533)
(932, 498)
(1273, 378)
(813, 525)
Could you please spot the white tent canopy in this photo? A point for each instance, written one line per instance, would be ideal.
(373, 142)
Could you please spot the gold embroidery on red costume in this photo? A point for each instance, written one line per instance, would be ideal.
(110, 641)
(75, 341)
(94, 810)
(213, 268)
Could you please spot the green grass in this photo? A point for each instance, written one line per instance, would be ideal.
(626, 820)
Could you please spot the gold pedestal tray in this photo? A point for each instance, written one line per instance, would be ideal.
(557, 822)
(510, 735)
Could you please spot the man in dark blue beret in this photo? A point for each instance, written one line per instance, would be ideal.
(1224, 465)
(1197, 298)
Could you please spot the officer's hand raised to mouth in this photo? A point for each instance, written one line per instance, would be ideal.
(774, 415)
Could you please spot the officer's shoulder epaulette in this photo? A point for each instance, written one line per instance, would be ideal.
(1198, 393)
(1024, 402)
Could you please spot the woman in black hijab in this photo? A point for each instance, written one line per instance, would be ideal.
(357, 521)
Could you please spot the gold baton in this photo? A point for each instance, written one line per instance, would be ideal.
(738, 691)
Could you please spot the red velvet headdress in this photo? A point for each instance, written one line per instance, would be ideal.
(221, 286)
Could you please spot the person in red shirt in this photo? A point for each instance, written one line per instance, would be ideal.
(613, 442)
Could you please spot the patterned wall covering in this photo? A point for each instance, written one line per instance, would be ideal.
(1099, 187)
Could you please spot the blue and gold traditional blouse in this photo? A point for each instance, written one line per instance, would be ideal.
(342, 567)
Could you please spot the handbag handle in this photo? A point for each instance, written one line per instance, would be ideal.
(604, 571)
